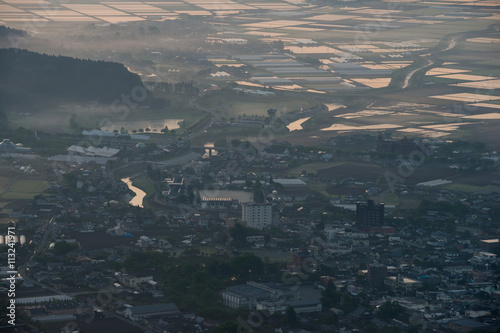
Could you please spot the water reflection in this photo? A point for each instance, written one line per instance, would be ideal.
(153, 126)
(209, 152)
(297, 124)
(139, 194)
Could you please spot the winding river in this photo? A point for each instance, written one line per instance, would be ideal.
(139, 194)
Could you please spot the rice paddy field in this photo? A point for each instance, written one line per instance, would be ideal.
(368, 172)
(349, 52)
(16, 190)
(106, 117)
(231, 104)
(24, 189)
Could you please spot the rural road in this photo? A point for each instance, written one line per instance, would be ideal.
(215, 117)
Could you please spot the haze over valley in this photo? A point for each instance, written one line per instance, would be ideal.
(249, 166)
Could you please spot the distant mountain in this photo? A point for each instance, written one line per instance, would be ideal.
(27, 75)
(6, 32)
(10, 37)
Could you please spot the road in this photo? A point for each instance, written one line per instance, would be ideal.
(215, 117)
(47, 230)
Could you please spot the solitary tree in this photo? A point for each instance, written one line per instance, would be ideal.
(291, 317)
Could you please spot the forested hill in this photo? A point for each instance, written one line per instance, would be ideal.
(5, 32)
(31, 75)
(10, 37)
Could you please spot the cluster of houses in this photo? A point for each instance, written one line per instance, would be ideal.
(446, 279)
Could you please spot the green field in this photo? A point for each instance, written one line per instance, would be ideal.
(49, 120)
(319, 187)
(225, 133)
(409, 203)
(23, 189)
(231, 104)
(4, 182)
(3, 204)
(4, 221)
(388, 199)
(433, 30)
(207, 251)
(311, 167)
(57, 119)
(468, 188)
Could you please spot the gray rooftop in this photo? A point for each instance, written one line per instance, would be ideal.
(257, 290)
(153, 309)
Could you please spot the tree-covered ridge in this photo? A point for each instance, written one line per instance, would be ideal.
(6, 31)
(27, 74)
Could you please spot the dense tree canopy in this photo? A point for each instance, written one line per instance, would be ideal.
(196, 286)
(62, 248)
(247, 264)
(291, 317)
(11, 32)
(30, 74)
(392, 310)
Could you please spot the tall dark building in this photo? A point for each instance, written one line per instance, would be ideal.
(369, 214)
(376, 275)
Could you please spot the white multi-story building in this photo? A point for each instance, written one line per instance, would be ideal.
(257, 216)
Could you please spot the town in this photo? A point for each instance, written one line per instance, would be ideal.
(232, 234)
